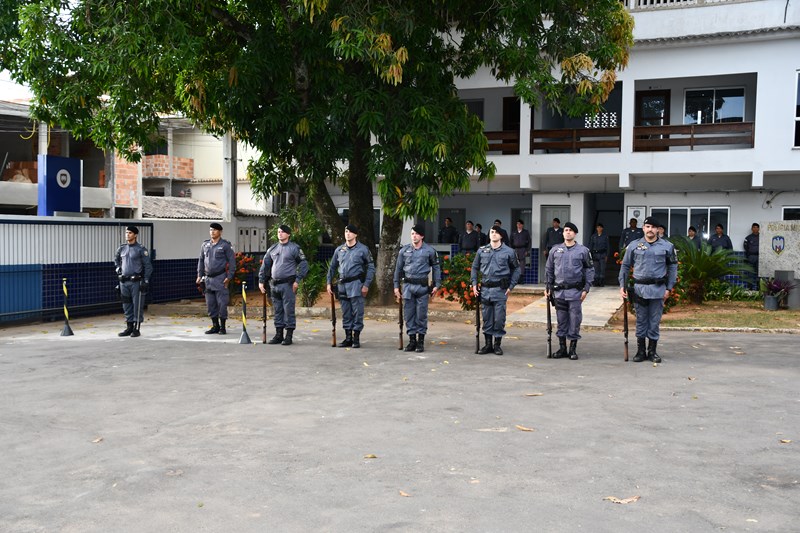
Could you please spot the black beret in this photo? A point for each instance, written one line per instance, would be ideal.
(418, 228)
(214, 225)
(286, 229)
(652, 221)
(133, 229)
(352, 228)
(495, 228)
(571, 226)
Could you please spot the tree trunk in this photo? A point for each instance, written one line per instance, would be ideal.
(328, 215)
(360, 193)
(391, 230)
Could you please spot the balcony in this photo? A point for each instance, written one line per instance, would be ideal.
(575, 140)
(665, 138)
(640, 5)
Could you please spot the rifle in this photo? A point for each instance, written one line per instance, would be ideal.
(400, 322)
(264, 315)
(333, 322)
(478, 323)
(549, 327)
(625, 324)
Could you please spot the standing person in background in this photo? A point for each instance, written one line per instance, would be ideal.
(719, 239)
(751, 249)
(448, 234)
(694, 237)
(521, 242)
(630, 234)
(283, 268)
(662, 232)
(569, 274)
(503, 233)
(216, 267)
(470, 240)
(415, 262)
(655, 272)
(484, 239)
(599, 246)
(554, 235)
(352, 264)
(500, 272)
(133, 266)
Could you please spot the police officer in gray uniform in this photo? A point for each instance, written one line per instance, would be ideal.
(655, 272)
(499, 269)
(569, 274)
(134, 269)
(284, 267)
(415, 262)
(352, 263)
(599, 246)
(216, 267)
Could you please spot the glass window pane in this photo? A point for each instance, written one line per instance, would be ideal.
(699, 102)
(729, 105)
(797, 103)
(797, 133)
(677, 222)
(719, 215)
(699, 219)
(660, 213)
(791, 213)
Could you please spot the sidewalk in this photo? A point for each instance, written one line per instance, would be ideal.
(600, 305)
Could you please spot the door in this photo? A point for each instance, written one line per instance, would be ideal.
(548, 213)
(524, 215)
(459, 217)
(652, 109)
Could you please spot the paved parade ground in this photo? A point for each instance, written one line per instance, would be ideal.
(180, 431)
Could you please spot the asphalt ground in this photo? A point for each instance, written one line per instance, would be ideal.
(181, 431)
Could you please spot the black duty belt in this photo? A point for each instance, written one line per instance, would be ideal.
(215, 274)
(565, 286)
(416, 281)
(360, 277)
(130, 278)
(503, 283)
(290, 279)
(650, 281)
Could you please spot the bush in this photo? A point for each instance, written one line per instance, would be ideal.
(698, 269)
(246, 266)
(456, 285)
(313, 284)
(306, 229)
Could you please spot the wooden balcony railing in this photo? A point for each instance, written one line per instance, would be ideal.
(574, 140)
(506, 142)
(655, 138)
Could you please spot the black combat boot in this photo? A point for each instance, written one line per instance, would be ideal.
(573, 345)
(420, 343)
(214, 328)
(412, 343)
(222, 330)
(127, 331)
(356, 340)
(562, 348)
(641, 355)
(135, 332)
(651, 351)
(348, 339)
(497, 349)
(278, 338)
(287, 341)
(488, 347)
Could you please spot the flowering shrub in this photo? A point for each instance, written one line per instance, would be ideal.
(775, 287)
(456, 272)
(246, 266)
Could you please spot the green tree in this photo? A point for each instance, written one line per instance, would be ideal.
(699, 268)
(312, 83)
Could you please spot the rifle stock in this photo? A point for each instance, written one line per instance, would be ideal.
(625, 324)
(264, 315)
(400, 323)
(549, 327)
(478, 323)
(333, 321)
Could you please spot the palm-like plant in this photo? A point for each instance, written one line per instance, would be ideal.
(698, 267)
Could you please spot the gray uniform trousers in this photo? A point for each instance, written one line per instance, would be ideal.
(569, 314)
(493, 312)
(599, 262)
(129, 291)
(415, 308)
(217, 297)
(283, 301)
(648, 317)
(352, 312)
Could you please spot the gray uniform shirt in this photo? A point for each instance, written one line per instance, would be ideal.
(495, 264)
(350, 264)
(133, 260)
(599, 244)
(656, 260)
(212, 263)
(416, 264)
(568, 266)
(283, 261)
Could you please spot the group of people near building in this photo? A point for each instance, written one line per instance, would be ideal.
(647, 276)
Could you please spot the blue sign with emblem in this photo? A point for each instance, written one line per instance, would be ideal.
(60, 181)
(778, 244)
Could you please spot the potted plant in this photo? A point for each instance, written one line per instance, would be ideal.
(774, 292)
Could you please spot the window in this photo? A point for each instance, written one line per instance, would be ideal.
(712, 106)
(797, 115)
(791, 213)
(704, 219)
(475, 107)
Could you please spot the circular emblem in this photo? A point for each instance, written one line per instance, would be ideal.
(63, 178)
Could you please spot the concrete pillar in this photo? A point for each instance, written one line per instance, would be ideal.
(229, 164)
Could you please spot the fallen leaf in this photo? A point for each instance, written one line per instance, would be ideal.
(98, 439)
(530, 365)
(200, 504)
(405, 494)
(370, 456)
(446, 362)
(442, 343)
(314, 330)
(523, 428)
(366, 364)
(474, 481)
(694, 397)
(690, 378)
(534, 394)
(614, 499)
(494, 430)
(751, 520)
(174, 472)
(786, 441)
(433, 370)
